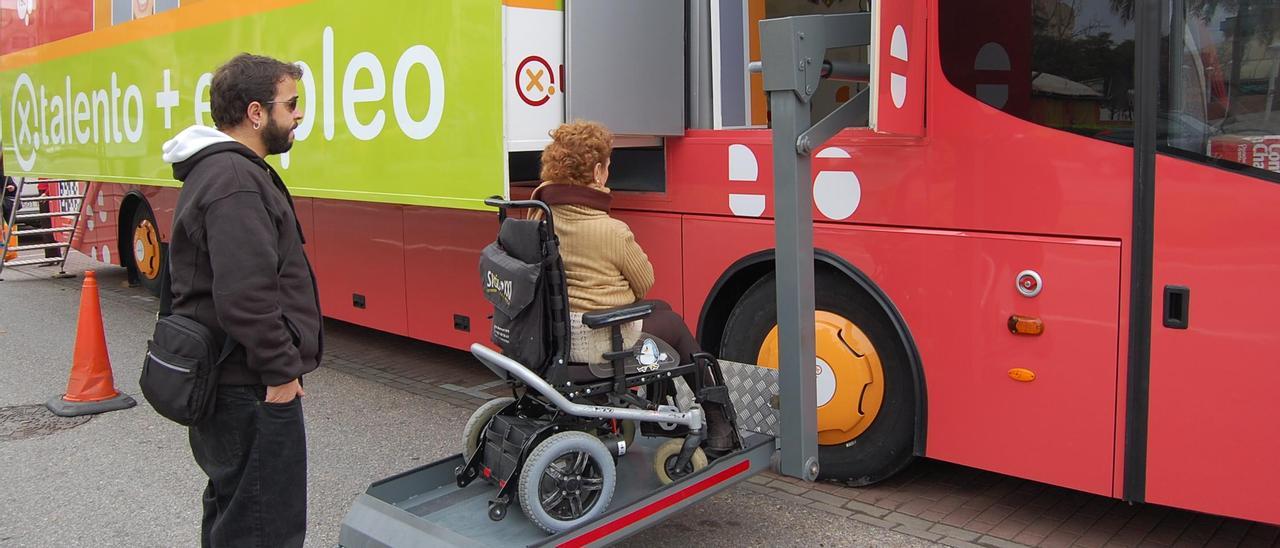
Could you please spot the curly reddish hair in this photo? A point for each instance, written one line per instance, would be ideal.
(575, 149)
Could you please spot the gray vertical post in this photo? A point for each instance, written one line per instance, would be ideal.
(792, 50)
(793, 210)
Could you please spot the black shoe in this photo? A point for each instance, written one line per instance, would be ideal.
(720, 435)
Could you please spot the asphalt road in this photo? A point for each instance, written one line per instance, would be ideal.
(126, 478)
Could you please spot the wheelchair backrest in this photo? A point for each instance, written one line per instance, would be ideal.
(523, 277)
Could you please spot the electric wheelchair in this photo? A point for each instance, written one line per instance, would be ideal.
(552, 445)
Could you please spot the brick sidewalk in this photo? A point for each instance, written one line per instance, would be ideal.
(946, 503)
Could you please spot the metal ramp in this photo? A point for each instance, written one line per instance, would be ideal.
(424, 507)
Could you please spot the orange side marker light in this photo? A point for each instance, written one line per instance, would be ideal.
(1022, 375)
(1026, 325)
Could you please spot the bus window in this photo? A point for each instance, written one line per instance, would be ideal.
(1062, 64)
(1218, 84)
(639, 169)
(524, 168)
(830, 94)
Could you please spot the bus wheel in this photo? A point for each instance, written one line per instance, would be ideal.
(147, 253)
(866, 400)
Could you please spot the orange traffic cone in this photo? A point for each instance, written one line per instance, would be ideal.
(91, 388)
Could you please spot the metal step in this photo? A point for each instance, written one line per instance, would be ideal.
(34, 199)
(33, 216)
(26, 262)
(39, 246)
(34, 231)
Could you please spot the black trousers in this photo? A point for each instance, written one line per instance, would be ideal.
(255, 455)
(665, 324)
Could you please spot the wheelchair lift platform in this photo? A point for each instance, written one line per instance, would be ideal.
(425, 506)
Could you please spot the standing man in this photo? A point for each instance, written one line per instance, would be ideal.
(238, 267)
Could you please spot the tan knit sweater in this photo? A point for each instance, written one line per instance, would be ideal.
(603, 264)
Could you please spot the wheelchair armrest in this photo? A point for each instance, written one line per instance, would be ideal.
(617, 315)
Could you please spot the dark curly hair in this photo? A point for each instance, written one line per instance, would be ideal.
(242, 80)
(575, 149)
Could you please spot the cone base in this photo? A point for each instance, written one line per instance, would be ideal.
(64, 408)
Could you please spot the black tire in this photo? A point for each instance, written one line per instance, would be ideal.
(497, 512)
(479, 420)
(557, 456)
(146, 268)
(886, 446)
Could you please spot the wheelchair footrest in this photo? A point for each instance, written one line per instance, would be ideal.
(714, 394)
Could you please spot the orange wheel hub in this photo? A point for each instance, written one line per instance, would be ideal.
(850, 377)
(146, 250)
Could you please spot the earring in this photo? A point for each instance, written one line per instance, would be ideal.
(257, 126)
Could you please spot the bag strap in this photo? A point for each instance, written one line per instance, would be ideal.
(166, 307)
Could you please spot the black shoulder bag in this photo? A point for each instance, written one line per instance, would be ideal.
(180, 372)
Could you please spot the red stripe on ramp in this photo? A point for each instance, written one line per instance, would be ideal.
(657, 506)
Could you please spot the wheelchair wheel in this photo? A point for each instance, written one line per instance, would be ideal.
(664, 461)
(474, 430)
(567, 480)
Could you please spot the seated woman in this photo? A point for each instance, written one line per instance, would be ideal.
(604, 266)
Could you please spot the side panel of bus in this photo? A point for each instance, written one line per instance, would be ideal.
(956, 293)
(1214, 415)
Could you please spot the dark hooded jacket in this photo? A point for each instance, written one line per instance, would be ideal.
(237, 263)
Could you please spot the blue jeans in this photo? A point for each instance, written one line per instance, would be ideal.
(255, 455)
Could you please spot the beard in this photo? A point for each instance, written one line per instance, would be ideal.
(276, 137)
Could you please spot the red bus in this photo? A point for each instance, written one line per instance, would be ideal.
(1005, 258)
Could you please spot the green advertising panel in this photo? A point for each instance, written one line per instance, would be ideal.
(403, 99)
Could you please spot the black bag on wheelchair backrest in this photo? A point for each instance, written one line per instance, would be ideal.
(513, 272)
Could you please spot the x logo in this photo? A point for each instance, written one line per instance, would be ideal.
(25, 109)
(535, 80)
(24, 117)
(529, 81)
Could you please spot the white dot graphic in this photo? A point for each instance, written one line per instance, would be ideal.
(746, 205)
(898, 82)
(898, 47)
(836, 193)
(744, 168)
(742, 164)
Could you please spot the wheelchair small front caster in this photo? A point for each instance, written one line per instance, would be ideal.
(497, 511)
(664, 461)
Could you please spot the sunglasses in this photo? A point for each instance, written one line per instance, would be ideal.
(291, 103)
